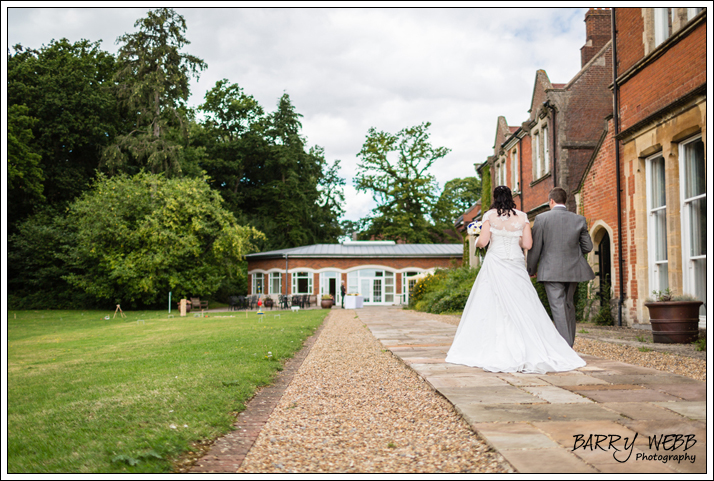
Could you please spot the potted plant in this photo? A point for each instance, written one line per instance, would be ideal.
(268, 301)
(327, 301)
(674, 319)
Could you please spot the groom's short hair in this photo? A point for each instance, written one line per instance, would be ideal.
(558, 195)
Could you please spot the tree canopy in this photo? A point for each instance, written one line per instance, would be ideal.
(152, 82)
(394, 168)
(137, 238)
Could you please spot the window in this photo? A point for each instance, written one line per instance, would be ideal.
(692, 12)
(353, 282)
(546, 153)
(693, 191)
(275, 285)
(302, 283)
(656, 223)
(514, 164)
(389, 286)
(537, 158)
(501, 177)
(258, 280)
(661, 25)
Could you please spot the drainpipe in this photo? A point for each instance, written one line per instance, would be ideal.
(616, 121)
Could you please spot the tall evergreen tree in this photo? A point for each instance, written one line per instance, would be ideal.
(153, 84)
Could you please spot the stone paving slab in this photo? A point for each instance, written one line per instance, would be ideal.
(556, 395)
(688, 392)
(641, 411)
(626, 395)
(534, 420)
(693, 410)
(489, 395)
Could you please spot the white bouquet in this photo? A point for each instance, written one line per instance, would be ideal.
(474, 228)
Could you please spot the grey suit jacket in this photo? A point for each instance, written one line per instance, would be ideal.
(560, 238)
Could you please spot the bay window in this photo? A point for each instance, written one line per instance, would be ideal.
(656, 223)
(693, 191)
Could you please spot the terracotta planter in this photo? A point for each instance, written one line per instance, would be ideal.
(674, 322)
(326, 303)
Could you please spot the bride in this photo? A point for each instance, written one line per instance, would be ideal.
(504, 326)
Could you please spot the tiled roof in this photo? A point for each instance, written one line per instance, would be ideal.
(367, 250)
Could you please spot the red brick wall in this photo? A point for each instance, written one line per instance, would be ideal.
(678, 71)
(597, 33)
(535, 195)
(597, 197)
(339, 264)
(630, 44)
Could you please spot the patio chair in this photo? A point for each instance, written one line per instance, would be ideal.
(197, 303)
(283, 301)
(233, 303)
(306, 300)
(297, 301)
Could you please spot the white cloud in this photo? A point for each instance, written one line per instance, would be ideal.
(347, 70)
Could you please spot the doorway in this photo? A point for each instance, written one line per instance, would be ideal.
(604, 267)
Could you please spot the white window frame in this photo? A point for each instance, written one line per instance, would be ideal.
(514, 165)
(689, 279)
(546, 151)
(661, 25)
(503, 173)
(537, 173)
(654, 266)
(692, 12)
(255, 291)
(272, 276)
(295, 279)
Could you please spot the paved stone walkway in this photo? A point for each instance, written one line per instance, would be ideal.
(610, 412)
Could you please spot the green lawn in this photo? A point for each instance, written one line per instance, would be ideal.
(89, 395)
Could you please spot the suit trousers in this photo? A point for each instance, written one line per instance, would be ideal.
(560, 297)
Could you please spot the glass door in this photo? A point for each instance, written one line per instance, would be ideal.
(377, 290)
(366, 289)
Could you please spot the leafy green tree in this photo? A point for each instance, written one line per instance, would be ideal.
(456, 198)
(263, 169)
(233, 137)
(394, 169)
(137, 238)
(36, 266)
(153, 84)
(24, 174)
(64, 86)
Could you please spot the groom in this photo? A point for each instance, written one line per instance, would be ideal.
(560, 238)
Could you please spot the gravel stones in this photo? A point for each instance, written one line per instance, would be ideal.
(354, 408)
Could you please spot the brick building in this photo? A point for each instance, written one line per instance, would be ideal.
(658, 132)
(655, 139)
(380, 271)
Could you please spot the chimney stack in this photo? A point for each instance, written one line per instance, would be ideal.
(597, 33)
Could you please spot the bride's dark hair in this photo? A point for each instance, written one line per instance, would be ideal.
(503, 201)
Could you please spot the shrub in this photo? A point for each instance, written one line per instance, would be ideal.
(446, 290)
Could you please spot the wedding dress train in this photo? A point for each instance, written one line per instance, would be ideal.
(504, 326)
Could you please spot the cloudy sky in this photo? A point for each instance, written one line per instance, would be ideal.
(349, 69)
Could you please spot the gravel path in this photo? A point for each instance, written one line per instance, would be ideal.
(354, 408)
(624, 344)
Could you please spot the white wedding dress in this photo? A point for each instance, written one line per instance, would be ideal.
(504, 327)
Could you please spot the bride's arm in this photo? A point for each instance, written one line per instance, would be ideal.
(527, 238)
(485, 236)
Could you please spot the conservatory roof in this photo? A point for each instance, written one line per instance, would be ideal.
(365, 249)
